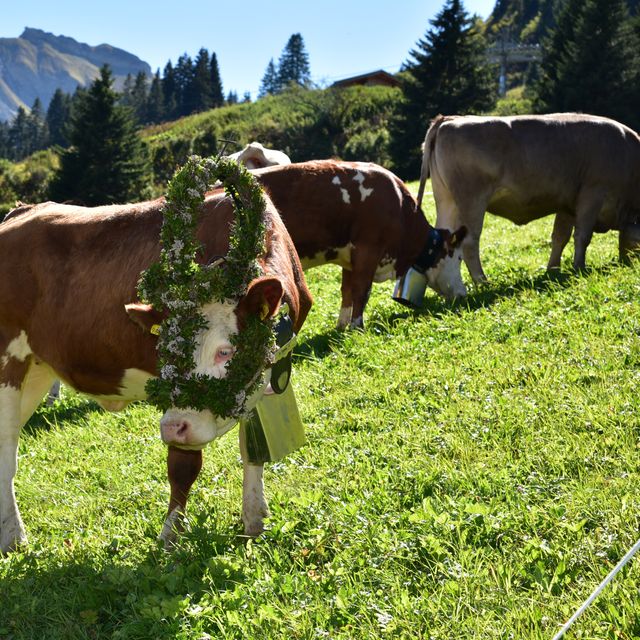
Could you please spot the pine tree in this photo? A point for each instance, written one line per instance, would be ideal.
(37, 131)
(232, 97)
(170, 90)
(155, 100)
(217, 94)
(19, 135)
(588, 62)
(269, 85)
(200, 89)
(293, 66)
(107, 161)
(58, 114)
(448, 74)
(139, 97)
(184, 72)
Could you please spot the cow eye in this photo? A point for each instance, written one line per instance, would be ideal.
(224, 353)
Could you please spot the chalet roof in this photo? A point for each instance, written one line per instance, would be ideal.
(371, 78)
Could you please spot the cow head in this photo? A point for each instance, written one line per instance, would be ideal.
(190, 428)
(255, 156)
(445, 277)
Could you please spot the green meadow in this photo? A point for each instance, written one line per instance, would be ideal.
(471, 472)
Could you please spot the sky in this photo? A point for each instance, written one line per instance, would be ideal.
(343, 38)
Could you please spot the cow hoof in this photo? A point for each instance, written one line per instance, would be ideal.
(170, 530)
(12, 542)
(253, 529)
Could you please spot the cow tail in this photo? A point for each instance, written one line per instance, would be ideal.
(427, 149)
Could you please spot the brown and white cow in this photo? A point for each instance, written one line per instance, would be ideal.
(68, 310)
(583, 168)
(255, 156)
(362, 217)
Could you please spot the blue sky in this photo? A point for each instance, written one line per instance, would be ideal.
(342, 37)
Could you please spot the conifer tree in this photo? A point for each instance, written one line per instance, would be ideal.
(448, 74)
(217, 94)
(293, 66)
(139, 96)
(184, 73)
(200, 90)
(170, 91)
(37, 131)
(107, 161)
(57, 118)
(588, 62)
(155, 101)
(269, 85)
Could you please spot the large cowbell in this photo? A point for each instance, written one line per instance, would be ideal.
(273, 429)
(410, 287)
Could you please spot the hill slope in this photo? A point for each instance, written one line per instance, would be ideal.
(37, 63)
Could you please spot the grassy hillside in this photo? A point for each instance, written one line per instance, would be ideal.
(471, 472)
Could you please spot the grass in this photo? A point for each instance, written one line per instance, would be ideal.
(471, 472)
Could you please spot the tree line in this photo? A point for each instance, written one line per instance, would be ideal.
(190, 86)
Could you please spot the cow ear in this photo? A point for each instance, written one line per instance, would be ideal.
(454, 238)
(263, 298)
(145, 316)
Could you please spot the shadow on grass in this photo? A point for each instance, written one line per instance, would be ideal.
(486, 294)
(319, 345)
(47, 417)
(96, 595)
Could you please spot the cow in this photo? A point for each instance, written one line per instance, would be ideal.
(361, 217)
(583, 168)
(255, 156)
(69, 310)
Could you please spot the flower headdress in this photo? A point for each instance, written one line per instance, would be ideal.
(181, 285)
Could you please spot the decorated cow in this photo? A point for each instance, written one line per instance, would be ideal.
(71, 307)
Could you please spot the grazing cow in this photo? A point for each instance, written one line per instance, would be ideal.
(583, 168)
(255, 156)
(362, 217)
(68, 310)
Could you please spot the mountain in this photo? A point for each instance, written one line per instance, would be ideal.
(37, 63)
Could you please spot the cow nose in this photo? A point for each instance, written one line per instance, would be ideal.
(175, 431)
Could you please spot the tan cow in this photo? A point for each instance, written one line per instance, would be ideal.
(585, 169)
(69, 310)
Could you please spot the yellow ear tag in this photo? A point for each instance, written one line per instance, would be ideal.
(264, 311)
(155, 329)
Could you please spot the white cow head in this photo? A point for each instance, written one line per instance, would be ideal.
(255, 156)
(193, 429)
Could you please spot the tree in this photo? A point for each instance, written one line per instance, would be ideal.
(37, 131)
(155, 100)
(200, 90)
(448, 74)
(184, 73)
(58, 114)
(170, 90)
(590, 62)
(217, 94)
(293, 66)
(139, 97)
(269, 85)
(107, 161)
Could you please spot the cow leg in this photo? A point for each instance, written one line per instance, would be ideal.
(347, 300)
(23, 384)
(364, 263)
(587, 209)
(254, 504)
(183, 467)
(451, 214)
(562, 228)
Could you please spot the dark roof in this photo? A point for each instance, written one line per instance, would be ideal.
(373, 77)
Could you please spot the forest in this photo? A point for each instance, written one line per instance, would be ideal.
(589, 61)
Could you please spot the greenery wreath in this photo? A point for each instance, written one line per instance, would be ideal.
(180, 284)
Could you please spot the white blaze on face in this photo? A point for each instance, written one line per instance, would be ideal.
(213, 351)
(446, 279)
(345, 194)
(364, 192)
